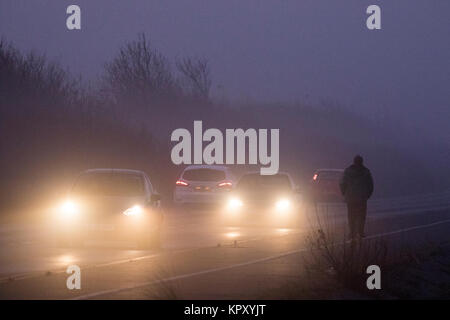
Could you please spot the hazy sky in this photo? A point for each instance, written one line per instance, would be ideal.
(263, 49)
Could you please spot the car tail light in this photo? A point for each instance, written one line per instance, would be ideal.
(181, 183)
(225, 184)
(315, 177)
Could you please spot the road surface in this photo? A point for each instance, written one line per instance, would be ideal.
(198, 252)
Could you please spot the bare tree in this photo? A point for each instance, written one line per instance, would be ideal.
(139, 72)
(30, 78)
(197, 75)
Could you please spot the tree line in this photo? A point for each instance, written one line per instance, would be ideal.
(53, 125)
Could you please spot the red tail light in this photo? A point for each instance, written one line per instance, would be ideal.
(181, 183)
(315, 177)
(225, 184)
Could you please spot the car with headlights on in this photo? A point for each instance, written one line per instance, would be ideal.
(267, 199)
(203, 185)
(118, 204)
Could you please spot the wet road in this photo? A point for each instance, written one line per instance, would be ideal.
(27, 251)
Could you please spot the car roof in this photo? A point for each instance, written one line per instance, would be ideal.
(113, 170)
(330, 170)
(278, 173)
(259, 173)
(205, 166)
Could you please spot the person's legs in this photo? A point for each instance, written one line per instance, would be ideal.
(351, 216)
(361, 218)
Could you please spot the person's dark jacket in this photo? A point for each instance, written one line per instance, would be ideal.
(356, 184)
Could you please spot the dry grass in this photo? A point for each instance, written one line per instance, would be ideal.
(162, 289)
(345, 262)
(335, 268)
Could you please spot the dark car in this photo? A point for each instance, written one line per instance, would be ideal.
(272, 199)
(110, 203)
(324, 185)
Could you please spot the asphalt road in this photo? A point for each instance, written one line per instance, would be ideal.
(195, 247)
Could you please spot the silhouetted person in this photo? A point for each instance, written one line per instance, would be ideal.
(356, 187)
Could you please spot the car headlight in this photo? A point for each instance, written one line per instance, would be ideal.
(133, 211)
(282, 204)
(234, 203)
(69, 208)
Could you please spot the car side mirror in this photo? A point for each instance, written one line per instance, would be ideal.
(155, 197)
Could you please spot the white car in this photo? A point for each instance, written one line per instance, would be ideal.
(203, 184)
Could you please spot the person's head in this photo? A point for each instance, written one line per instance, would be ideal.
(358, 160)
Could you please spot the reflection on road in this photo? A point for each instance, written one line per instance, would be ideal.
(30, 248)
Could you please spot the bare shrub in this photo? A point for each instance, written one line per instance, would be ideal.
(196, 76)
(345, 260)
(162, 287)
(139, 74)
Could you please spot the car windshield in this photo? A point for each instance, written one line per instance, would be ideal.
(329, 175)
(257, 182)
(109, 184)
(204, 175)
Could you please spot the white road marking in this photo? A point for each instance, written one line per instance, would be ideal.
(288, 253)
(36, 274)
(379, 235)
(28, 275)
